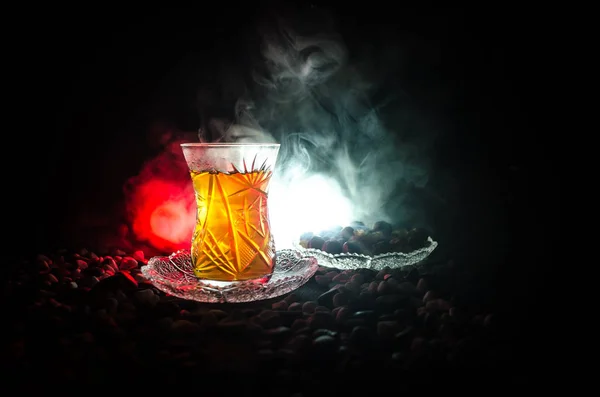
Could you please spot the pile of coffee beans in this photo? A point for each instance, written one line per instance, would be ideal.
(381, 238)
(79, 317)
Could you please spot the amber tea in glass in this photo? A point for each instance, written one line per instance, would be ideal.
(232, 238)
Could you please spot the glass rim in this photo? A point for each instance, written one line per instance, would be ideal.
(228, 144)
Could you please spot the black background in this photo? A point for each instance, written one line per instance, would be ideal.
(91, 84)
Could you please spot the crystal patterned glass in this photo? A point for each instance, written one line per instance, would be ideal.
(232, 238)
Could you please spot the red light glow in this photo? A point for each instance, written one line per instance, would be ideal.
(160, 202)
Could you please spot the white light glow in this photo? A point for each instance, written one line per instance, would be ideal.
(305, 204)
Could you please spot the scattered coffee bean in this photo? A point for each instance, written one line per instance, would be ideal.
(99, 316)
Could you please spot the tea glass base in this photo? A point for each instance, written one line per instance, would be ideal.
(173, 275)
(234, 284)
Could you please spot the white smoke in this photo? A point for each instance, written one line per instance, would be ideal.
(338, 161)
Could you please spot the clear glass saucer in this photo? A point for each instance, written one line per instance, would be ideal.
(350, 261)
(173, 275)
